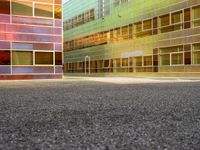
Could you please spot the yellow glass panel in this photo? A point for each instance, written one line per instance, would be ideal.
(22, 8)
(43, 10)
(22, 58)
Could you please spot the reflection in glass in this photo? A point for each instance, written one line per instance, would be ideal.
(43, 10)
(22, 58)
(22, 8)
(4, 57)
(4, 7)
(44, 58)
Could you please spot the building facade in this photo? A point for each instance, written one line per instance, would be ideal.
(132, 37)
(30, 39)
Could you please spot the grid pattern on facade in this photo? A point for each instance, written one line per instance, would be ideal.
(138, 36)
(31, 38)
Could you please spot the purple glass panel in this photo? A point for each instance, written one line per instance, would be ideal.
(35, 21)
(22, 70)
(4, 69)
(59, 69)
(32, 46)
(22, 46)
(32, 29)
(58, 31)
(58, 47)
(44, 69)
(4, 45)
(58, 23)
(58, 39)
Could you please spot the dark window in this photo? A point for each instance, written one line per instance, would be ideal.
(4, 57)
(4, 7)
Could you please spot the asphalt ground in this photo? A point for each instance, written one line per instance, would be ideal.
(100, 114)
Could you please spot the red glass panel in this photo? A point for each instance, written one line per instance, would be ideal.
(4, 57)
(4, 7)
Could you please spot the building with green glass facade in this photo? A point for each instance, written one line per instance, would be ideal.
(132, 37)
(31, 39)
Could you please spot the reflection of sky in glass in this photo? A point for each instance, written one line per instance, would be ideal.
(64, 1)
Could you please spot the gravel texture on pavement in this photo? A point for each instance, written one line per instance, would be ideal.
(91, 115)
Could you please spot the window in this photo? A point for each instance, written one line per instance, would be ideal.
(106, 63)
(43, 10)
(196, 16)
(147, 60)
(164, 20)
(172, 55)
(147, 25)
(125, 62)
(58, 58)
(44, 58)
(176, 58)
(4, 7)
(58, 12)
(4, 57)
(165, 59)
(22, 58)
(125, 34)
(138, 27)
(176, 17)
(138, 61)
(187, 18)
(22, 8)
(196, 54)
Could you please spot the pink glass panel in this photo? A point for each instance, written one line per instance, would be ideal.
(44, 69)
(58, 22)
(34, 21)
(58, 47)
(59, 69)
(5, 18)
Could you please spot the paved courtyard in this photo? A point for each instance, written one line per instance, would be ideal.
(100, 114)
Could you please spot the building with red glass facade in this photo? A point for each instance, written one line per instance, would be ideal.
(30, 39)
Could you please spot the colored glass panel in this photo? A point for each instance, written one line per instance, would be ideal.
(44, 58)
(22, 58)
(4, 7)
(44, 1)
(4, 45)
(43, 10)
(22, 8)
(32, 21)
(4, 57)
(58, 1)
(4, 18)
(58, 12)
(58, 58)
